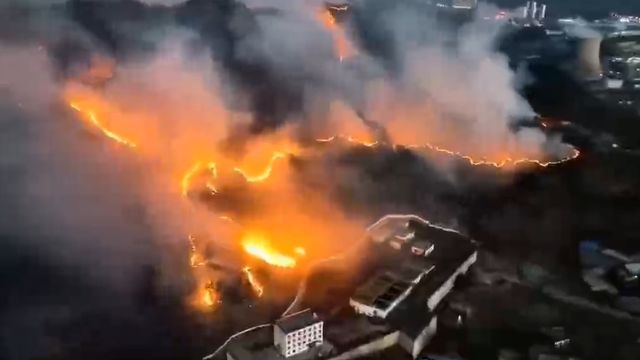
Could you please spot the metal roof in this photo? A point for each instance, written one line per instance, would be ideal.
(381, 290)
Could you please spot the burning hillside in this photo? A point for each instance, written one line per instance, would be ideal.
(284, 219)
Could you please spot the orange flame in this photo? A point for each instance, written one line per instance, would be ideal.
(93, 118)
(350, 139)
(505, 162)
(255, 285)
(210, 295)
(265, 173)
(195, 259)
(292, 229)
(186, 178)
(256, 246)
(185, 182)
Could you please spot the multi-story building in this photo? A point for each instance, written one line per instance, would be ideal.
(297, 332)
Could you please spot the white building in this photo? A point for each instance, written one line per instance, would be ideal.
(297, 333)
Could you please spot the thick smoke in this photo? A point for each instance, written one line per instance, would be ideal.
(452, 86)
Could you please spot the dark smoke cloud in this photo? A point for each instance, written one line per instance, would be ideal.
(68, 250)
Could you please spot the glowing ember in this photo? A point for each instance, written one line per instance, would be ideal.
(93, 118)
(255, 285)
(258, 247)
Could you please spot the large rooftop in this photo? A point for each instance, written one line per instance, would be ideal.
(381, 290)
(422, 276)
(402, 270)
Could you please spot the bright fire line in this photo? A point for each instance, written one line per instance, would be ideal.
(262, 251)
(186, 178)
(93, 118)
(575, 153)
(265, 173)
(255, 284)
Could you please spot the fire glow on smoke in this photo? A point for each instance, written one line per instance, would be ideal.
(253, 245)
(258, 247)
(291, 229)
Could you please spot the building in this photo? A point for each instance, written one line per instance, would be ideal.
(533, 14)
(620, 56)
(381, 294)
(297, 332)
(299, 336)
(405, 294)
(393, 306)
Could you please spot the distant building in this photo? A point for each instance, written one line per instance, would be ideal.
(533, 13)
(295, 333)
(620, 56)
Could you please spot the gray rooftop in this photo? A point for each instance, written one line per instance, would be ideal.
(297, 321)
(381, 290)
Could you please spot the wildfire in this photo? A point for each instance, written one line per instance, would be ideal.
(195, 260)
(93, 118)
(505, 162)
(185, 183)
(210, 295)
(502, 163)
(350, 139)
(287, 233)
(265, 173)
(186, 178)
(256, 246)
(255, 285)
(195, 169)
